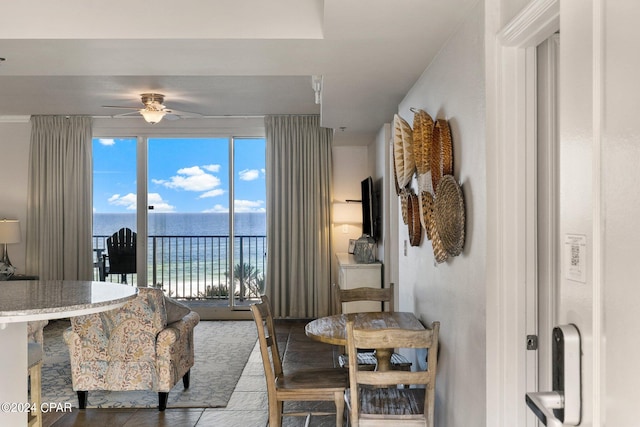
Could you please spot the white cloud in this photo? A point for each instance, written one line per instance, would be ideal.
(249, 206)
(217, 209)
(249, 174)
(212, 193)
(159, 205)
(190, 179)
(107, 141)
(192, 171)
(240, 206)
(211, 168)
(129, 202)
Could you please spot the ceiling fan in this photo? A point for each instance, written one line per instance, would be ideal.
(154, 110)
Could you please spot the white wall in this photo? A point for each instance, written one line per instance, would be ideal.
(14, 176)
(452, 87)
(350, 167)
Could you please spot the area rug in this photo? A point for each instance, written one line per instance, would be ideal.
(222, 349)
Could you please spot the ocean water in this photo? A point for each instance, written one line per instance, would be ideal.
(183, 224)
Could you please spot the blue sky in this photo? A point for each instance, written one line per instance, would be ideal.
(184, 175)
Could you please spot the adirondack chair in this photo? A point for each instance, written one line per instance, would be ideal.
(121, 252)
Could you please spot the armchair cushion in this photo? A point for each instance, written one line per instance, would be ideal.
(175, 310)
(131, 348)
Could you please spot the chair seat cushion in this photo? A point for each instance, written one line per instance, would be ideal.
(368, 359)
(390, 401)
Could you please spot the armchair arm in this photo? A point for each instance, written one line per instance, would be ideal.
(87, 366)
(175, 351)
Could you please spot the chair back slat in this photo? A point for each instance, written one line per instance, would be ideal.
(392, 338)
(362, 294)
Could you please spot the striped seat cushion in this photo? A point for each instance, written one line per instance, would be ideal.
(390, 401)
(367, 360)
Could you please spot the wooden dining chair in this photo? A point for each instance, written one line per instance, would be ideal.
(301, 385)
(372, 399)
(367, 358)
(35, 356)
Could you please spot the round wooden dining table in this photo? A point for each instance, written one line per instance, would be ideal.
(333, 329)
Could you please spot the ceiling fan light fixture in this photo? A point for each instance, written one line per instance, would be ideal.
(152, 116)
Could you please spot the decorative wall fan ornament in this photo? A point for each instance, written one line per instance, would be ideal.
(154, 109)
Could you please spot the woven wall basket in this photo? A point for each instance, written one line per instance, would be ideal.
(426, 211)
(404, 205)
(395, 176)
(403, 151)
(422, 137)
(449, 215)
(441, 152)
(415, 229)
(439, 252)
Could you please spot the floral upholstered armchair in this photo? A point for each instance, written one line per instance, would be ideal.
(147, 344)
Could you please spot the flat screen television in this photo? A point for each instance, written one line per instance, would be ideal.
(369, 208)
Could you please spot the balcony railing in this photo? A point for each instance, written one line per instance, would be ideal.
(198, 267)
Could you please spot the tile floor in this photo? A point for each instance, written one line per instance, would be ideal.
(247, 406)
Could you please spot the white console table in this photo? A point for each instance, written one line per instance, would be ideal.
(24, 301)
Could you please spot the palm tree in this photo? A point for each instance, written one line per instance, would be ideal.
(249, 279)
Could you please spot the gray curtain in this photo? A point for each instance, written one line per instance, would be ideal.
(298, 157)
(59, 218)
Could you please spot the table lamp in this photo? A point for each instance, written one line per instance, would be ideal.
(345, 213)
(9, 233)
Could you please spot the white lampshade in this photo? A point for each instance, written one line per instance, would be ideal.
(347, 213)
(9, 231)
(152, 116)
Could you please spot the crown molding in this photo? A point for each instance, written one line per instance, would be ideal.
(15, 119)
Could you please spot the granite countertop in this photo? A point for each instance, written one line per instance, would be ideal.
(27, 300)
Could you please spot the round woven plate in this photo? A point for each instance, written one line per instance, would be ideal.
(424, 183)
(439, 252)
(395, 176)
(404, 204)
(449, 214)
(415, 230)
(422, 136)
(441, 152)
(403, 151)
(398, 157)
(426, 211)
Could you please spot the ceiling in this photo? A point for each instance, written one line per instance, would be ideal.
(228, 57)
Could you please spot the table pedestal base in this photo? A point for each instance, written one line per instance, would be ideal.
(13, 374)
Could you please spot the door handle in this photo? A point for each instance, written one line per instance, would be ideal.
(543, 403)
(562, 406)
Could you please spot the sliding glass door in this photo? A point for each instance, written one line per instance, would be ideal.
(204, 235)
(114, 198)
(249, 219)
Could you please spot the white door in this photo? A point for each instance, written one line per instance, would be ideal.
(543, 288)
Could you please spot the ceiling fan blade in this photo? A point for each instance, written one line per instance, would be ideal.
(182, 113)
(131, 113)
(121, 108)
